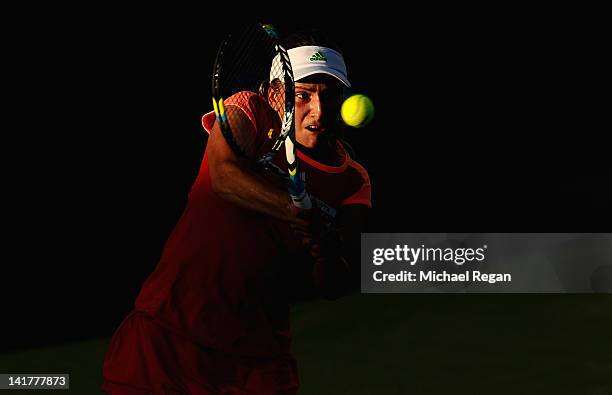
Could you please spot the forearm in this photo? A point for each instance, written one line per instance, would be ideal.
(234, 179)
(248, 189)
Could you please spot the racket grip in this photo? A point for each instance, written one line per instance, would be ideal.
(302, 201)
(298, 194)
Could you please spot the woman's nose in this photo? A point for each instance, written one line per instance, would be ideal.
(316, 107)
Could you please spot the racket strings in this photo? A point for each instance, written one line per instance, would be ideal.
(248, 60)
(240, 64)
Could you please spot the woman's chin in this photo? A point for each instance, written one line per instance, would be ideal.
(309, 140)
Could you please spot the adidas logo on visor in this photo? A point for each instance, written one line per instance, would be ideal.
(318, 56)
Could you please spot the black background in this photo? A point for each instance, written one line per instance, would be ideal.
(486, 121)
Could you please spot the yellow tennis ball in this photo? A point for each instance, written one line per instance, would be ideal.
(357, 111)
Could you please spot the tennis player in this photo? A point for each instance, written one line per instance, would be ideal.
(213, 317)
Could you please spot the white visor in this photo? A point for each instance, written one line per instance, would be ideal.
(310, 60)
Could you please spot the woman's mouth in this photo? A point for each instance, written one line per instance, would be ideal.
(315, 128)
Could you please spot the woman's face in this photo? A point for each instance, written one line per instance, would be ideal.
(317, 105)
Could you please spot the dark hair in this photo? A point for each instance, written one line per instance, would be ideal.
(311, 36)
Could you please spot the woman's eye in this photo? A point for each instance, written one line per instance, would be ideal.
(302, 95)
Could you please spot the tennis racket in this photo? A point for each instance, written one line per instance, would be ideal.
(251, 60)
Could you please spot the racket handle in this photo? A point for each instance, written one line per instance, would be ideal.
(298, 194)
(302, 201)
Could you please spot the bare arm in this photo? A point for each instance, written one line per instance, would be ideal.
(235, 180)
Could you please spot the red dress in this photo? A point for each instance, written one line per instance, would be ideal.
(214, 313)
